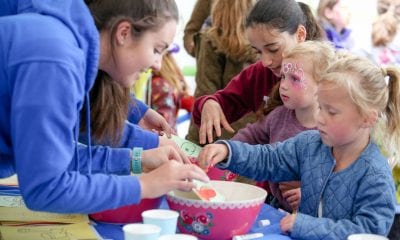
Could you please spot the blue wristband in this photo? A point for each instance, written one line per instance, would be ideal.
(137, 160)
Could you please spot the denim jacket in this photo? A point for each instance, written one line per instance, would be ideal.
(358, 199)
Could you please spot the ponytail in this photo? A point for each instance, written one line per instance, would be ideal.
(392, 112)
(314, 30)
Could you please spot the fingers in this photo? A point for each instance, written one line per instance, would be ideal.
(210, 128)
(202, 133)
(287, 223)
(185, 185)
(210, 120)
(284, 224)
(167, 128)
(211, 155)
(188, 172)
(226, 125)
(292, 197)
(174, 154)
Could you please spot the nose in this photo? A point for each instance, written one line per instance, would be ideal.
(266, 60)
(283, 84)
(157, 64)
(318, 117)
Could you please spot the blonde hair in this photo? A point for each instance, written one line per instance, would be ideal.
(384, 28)
(371, 88)
(228, 27)
(320, 53)
(171, 72)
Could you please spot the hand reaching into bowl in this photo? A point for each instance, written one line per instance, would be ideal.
(212, 154)
(170, 176)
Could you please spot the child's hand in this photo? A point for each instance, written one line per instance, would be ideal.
(287, 222)
(212, 154)
(292, 196)
(170, 176)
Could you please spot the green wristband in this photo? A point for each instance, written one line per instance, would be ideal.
(137, 160)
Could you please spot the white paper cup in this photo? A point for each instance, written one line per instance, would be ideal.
(165, 219)
(177, 236)
(365, 236)
(139, 231)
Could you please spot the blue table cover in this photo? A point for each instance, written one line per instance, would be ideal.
(271, 232)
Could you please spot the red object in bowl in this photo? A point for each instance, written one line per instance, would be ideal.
(218, 220)
(127, 214)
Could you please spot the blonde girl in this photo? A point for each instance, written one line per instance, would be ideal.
(169, 90)
(346, 182)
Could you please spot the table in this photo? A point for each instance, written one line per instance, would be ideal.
(271, 232)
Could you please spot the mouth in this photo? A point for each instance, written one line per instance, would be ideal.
(284, 98)
(321, 132)
(276, 71)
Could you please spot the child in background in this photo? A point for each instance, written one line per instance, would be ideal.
(385, 33)
(346, 182)
(334, 17)
(169, 91)
(223, 51)
(302, 67)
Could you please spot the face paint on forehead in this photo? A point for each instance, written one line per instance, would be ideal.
(298, 71)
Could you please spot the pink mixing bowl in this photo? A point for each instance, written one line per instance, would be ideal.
(218, 220)
(127, 214)
(216, 173)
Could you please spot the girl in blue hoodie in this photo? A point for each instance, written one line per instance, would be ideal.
(50, 54)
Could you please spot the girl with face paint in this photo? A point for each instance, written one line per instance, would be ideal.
(301, 68)
(271, 27)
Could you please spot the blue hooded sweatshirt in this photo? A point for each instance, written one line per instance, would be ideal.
(49, 52)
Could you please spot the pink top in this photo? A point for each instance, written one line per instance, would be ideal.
(279, 125)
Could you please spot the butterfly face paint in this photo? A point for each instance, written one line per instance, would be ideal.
(296, 75)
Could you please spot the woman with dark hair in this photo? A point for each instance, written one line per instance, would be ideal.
(271, 27)
(51, 53)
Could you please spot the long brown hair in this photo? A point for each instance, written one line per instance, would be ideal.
(385, 27)
(110, 101)
(227, 29)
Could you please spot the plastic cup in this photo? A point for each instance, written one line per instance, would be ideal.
(178, 236)
(165, 219)
(139, 231)
(365, 236)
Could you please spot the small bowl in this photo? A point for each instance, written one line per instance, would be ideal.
(218, 220)
(127, 214)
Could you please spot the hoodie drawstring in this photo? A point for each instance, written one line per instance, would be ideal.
(88, 134)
